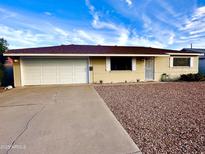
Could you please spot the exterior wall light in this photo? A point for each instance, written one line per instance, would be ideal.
(16, 60)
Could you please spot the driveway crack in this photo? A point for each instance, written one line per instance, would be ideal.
(24, 129)
(17, 105)
(55, 100)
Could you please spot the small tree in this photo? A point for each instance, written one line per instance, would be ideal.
(3, 45)
(3, 48)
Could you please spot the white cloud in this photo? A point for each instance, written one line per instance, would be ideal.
(200, 12)
(34, 32)
(161, 34)
(166, 6)
(121, 34)
(98, 24)
(90, 37)
(136, 40)
(193, 30)
(48, 13)
(124, 37)
(129, 2)
(20, 38)
(61, 31)
(6, 14)
(196, 23)
(171, 38)
(23, 38)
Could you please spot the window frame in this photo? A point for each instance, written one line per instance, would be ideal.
(130, 67)
(190, 61)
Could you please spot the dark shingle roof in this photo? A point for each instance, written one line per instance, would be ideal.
(92, 49)
(194, 50)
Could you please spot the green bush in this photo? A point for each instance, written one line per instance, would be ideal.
(192, 77)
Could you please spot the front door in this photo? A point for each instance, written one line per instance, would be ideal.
(149, 69)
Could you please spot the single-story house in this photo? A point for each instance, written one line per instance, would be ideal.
(201, 58)
(70, 64)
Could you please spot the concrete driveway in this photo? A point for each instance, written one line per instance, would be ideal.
(60, 119)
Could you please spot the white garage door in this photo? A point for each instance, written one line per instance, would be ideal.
(54, 71)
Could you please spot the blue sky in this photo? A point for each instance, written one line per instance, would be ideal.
(173, 24)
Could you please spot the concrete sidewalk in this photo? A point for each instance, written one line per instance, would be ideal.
(60, 119)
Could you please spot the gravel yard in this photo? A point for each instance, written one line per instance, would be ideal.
(160, 117)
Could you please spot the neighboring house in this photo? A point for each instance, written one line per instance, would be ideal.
(69, 64)
(201, 58)
(8, 72)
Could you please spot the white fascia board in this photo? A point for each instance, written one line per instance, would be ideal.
(187, 54)
(88, 55)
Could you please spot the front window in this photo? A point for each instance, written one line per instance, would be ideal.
(121, 63)
(181, 61)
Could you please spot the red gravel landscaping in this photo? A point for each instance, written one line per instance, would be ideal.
(160, 117)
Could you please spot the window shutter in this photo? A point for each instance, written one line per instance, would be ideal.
(133, 64)
(171, 59)
(108, 67)
(191, 61)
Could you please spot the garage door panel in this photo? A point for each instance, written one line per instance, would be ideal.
(65, 76)
(54, 71)
(49, 73)
(66, 72)
(80, 69)
(31, 71)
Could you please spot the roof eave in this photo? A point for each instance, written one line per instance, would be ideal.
(187, 54)
(83, 55)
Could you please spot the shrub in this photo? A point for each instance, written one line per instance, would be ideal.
(192, 77)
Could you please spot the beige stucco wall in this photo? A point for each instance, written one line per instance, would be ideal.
(161, 66)
(17, 73)
(99, 72)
